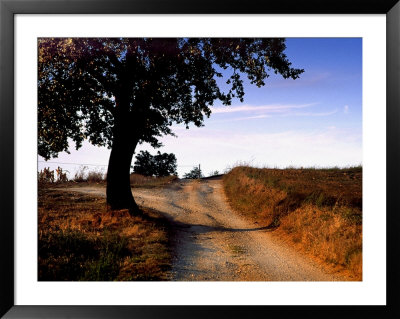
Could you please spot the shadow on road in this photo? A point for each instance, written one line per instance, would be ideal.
(200, 228)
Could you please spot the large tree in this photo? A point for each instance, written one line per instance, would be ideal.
(120, 92)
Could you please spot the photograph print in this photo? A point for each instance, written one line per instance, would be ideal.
(199, 159)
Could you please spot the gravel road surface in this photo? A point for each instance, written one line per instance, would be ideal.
(213, 243)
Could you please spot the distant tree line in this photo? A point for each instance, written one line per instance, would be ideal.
(161, 164)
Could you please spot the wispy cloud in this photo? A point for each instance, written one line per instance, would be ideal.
(262, 116)
(260, 108)
(314, 113)
(233, 113)
(346, 109)
(266, 111)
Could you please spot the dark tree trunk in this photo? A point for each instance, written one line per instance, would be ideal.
(119, 193)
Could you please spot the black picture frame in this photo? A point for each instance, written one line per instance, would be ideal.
(8, 8)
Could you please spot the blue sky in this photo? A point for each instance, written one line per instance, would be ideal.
(315, 120)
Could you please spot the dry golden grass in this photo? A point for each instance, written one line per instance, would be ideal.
(138, 180)
(319, 211)
(80, 239)
(84, 177)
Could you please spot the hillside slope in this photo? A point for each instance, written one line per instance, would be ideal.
(319, 211)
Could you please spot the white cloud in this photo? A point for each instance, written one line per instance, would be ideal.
(262, 116)
(261, 108)
(346, 109)
(265, 111)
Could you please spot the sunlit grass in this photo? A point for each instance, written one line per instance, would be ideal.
(317, 210)
(79, 239)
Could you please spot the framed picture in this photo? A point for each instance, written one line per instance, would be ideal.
(367, 25)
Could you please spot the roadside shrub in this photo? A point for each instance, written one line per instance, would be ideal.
(213, 173)
(194, 173)
(46, 175)
(95, 177)
(84, 175)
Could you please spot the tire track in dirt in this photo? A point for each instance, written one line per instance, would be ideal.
(213, 243)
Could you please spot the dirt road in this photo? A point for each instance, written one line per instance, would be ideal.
(213, 243)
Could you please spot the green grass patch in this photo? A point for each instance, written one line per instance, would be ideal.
(71, 255)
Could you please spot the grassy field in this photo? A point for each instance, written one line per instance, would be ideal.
(319, 211)
(80, 240)
(138, 180)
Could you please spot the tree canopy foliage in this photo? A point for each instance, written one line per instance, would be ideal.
(86, 85)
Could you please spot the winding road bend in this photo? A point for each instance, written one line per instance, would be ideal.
(213, 243)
